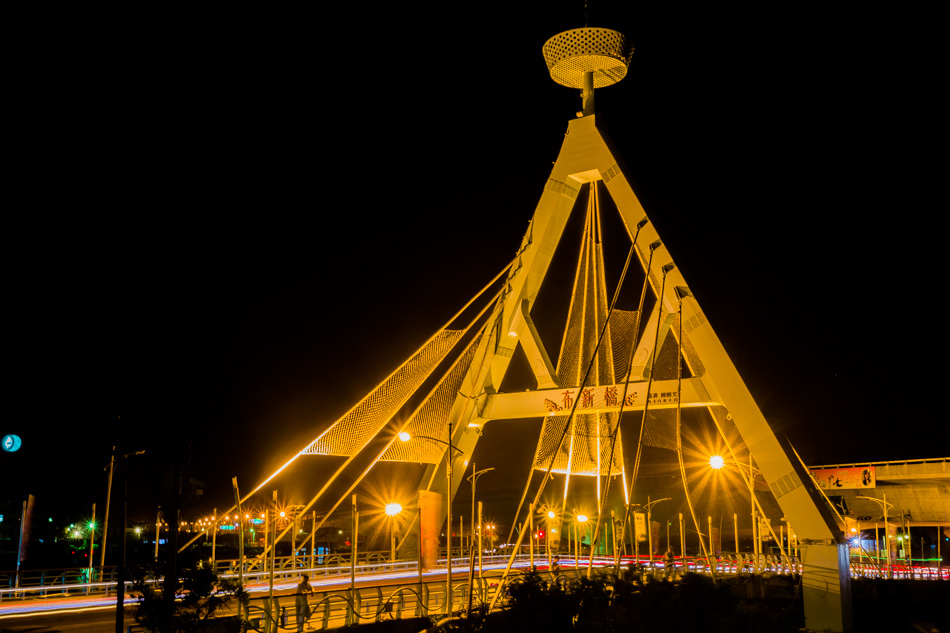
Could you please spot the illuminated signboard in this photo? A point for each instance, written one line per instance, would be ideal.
(855, 477)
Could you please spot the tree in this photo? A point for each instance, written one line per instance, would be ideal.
(200, 595)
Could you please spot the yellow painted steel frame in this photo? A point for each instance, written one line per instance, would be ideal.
(585, 156)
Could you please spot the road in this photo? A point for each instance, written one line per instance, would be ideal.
(96, 615)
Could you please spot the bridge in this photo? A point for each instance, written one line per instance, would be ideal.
(389, 589)
(655, 363)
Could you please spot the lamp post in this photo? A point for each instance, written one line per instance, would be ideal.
(471, 542)
(649, 507)
(392, 510)
(474, 478)
(581, 518)
(887, 544)
(405, 437)
(716, 462)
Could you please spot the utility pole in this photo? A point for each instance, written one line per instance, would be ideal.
(105, 523)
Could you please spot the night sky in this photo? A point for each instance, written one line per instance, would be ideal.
(223, 230)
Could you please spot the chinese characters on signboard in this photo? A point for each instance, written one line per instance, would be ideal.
(593, 397)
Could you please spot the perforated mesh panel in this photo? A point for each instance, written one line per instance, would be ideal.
(586, 449)
(587, 314)
(429, 420)
(602, 52)
(660, 428)
(621, 338)
(350, 433)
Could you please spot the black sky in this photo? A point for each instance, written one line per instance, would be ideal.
(227, 228)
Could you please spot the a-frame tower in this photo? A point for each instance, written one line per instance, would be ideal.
(468, 396)
(586, 59)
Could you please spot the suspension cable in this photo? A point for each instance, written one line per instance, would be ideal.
(616, 429)
(294, 458)
(633, 346)
(679, 441)
(547, 474)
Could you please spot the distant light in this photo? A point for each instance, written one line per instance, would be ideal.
(392, 509)
(716, 462)
(550, 514)
(513, 334)
(582, 518)
(405, 437)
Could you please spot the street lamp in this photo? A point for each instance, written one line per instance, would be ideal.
(392, 509)
(471, 543)
(716, 462)
(474, 478)
(581, 518)
(649, 507)
(405, 437)
(887, 544)
(547, 538)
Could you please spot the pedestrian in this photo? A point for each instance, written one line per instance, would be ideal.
(669, 560)
(555, 568)
(301, 602)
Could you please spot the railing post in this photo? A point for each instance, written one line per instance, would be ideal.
(423, 606)
(326, 613)
(379, 602)
(267, 624)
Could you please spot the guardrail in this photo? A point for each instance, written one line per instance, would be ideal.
(333, 609)
(72, 582)
(337, 567)
(44, 582)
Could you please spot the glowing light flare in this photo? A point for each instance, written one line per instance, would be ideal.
(404, 436)
(582, 518)
(392, 509)
(716, 462)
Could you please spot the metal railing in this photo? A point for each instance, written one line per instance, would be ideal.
(333, 609)
(65, 583)
(72, 582)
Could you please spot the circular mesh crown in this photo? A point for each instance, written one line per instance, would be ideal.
(572, 53)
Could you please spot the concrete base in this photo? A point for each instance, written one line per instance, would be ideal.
(826, 588)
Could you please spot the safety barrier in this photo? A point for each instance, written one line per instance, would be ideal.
(333, 609)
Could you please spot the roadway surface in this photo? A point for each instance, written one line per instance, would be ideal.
(97, 614)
